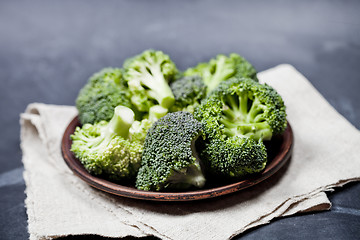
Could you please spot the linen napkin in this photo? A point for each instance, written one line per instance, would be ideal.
(325, 156)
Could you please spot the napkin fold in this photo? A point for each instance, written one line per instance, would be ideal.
(58, 203)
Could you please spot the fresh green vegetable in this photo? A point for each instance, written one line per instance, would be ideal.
(169, 160)
(147, 76)
(112, 148)
(237, 117)
(233, 156)
(243, 107)
(222, 68)
(104, 91)
(219, 117)
(188, 92)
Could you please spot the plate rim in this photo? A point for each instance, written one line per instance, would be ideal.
(124, 191)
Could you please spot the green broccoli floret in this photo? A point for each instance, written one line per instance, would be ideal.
(147, 76)
(139, 129)
(103, 92)
(169, 160)
(222, 68)
(188, 92)
(237, 117)
(244, 107)
(233, 157)
(110, 148)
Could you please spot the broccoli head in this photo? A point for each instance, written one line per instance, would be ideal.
(103, 92)
(236, 118)
(188, 92)
(139, 129)
(147, 76)
(222, 68)
(110, 148)
(233, 157)
(243, 107)
(169, 160)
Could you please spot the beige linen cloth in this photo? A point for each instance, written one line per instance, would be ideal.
(325, 155)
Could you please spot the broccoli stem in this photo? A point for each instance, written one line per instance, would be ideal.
(243, 99)
(159, 89)
(196, 170)
(121, 122)
(119, 125)
(156, 112)
(255, 110)
(262, 134)
(221, 72)
(239, 121)
(190, 176)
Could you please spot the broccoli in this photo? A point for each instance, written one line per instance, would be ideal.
(233, 157)
(139, 129)
(222, 68)
(103, 92)
(156, 112)
(169, 159)
(147, 76)
(111, 148)
(188, 92)
(244, 107)
(237, 116)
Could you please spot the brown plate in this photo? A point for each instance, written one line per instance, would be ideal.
(279, 151)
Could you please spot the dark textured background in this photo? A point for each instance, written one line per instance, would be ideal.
(48, 49)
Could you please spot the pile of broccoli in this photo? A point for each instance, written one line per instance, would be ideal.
(165, 129)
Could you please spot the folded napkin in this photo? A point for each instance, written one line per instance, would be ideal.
(58, 203)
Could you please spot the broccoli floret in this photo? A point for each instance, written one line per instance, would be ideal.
(147, 76)
(233, 157)
(188, 92)
(243, 107)
(110, 148)
(103, 92)
(222, 68)
(139, 129)
(169, 160)
(237, 117)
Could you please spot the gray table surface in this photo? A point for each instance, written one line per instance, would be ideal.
(48, 49)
